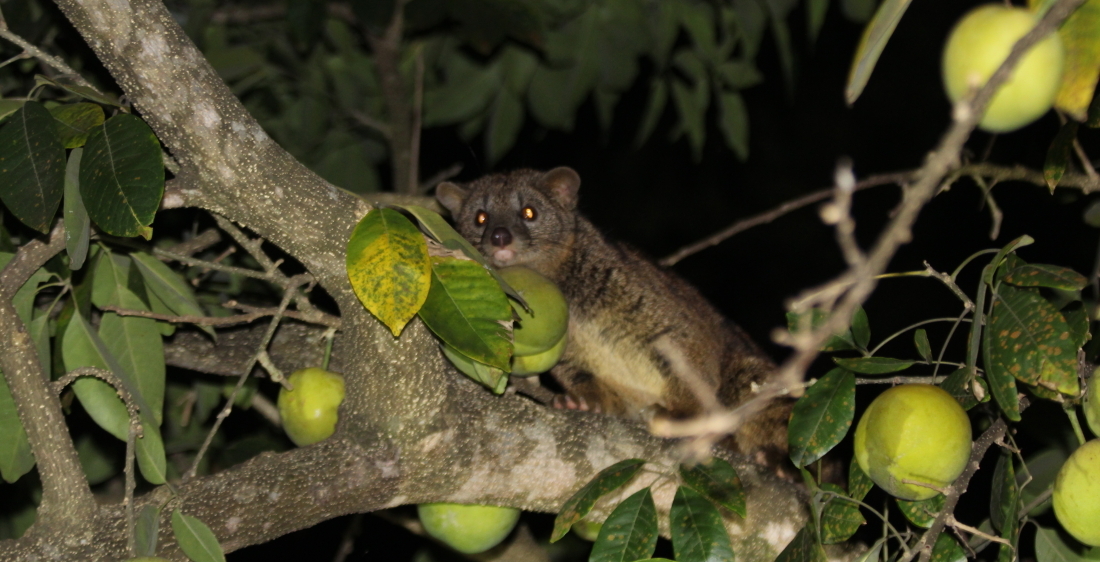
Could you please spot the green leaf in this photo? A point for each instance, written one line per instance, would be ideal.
(804, 548)
(1058, 154)
(920, 339)
(1005, 257)
(840, 518)
(858, 481)
(137, 346)
(441, 231)
(739, 74)
(99, 463)
(697, 529)
(1042, 468)
(947, 549)
(75, 120)
(146, 525)
(630, 532)
(655, 107)
(960, 385)
(691, 103)
(82, 347)
(32, 166)
(734, 123)
(842, 341)
(388, 267)
(922, 513)
(1042, 275)
(718, 481)
(77, 230)
(196, 540)
(870, 47)
(1004, 497)
(491, 377)
(873, 365)
(1078, 319)
(816, 17)
(468, 90)
(122, 176)
(1081, 36)
(822, 417)
(504, 125)
(861, 328)
(15, 450)
(1027, 337)
(169, 287)
(576, 507)
(467, 310)
(1051, 547)
(82, 91)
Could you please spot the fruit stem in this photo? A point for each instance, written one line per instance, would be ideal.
(1071, 413)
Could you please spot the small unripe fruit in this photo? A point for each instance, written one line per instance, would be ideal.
(309, 412)
(545, 325)
(523, 365)
(977, 46)
(468, 529)
(915, 433)
(1077, 494)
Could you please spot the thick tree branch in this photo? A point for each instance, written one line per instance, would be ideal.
(66, 499)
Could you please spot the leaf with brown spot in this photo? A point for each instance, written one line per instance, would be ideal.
(718, 481)
(1043, 275)
(1029, 338)
(840, 518)
(575, 508)
(822, 417)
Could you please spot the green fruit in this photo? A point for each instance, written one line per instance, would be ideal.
(914, 432)
(468, 528)
(1091, 404)
(1077, 494)
(539, 362)
(545, 325)
(977, 46)
(587, 530)
(309, 411)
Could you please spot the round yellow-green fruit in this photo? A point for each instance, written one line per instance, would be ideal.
(524, 365)
(468, 528)
(977, 46)
(309, 411)
(1091, 404)
(1077, 494)
(914, 433)
(544, 326)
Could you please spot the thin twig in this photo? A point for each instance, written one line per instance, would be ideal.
(134, 432)
(992, 435)
(30, 50)
(783, 209)
(440, 177)
(288, 295)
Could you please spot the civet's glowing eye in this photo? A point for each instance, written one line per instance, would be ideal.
(481, 218)
(528, 213)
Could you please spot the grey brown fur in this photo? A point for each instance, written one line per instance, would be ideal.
(632, 325)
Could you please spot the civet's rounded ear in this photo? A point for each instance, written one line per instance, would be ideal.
(451, 196)
(563, 183)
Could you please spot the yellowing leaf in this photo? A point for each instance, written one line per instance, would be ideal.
(388, 267)
(872, 43)
(1081, 37)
